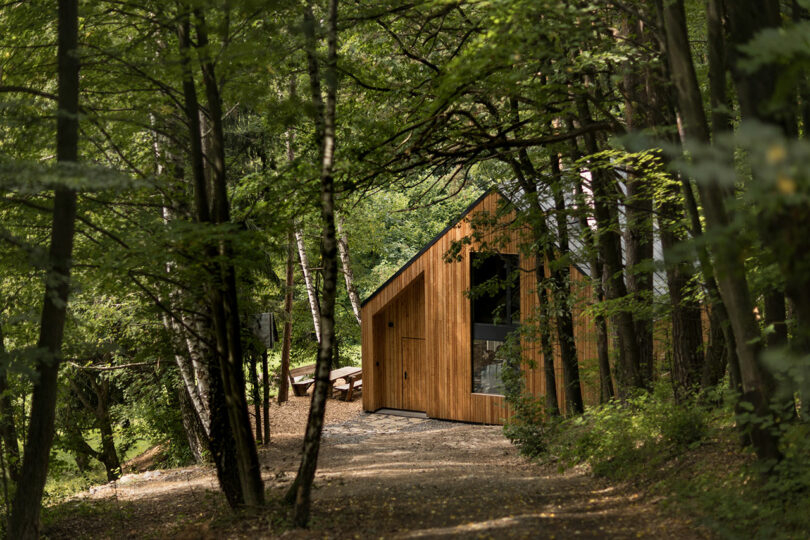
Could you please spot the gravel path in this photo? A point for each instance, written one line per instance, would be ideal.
(379, 476)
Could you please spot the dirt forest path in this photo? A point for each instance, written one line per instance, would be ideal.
(379, 476)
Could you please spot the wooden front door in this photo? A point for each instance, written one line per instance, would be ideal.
(414, 374)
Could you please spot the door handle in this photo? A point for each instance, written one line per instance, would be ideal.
(406, 375)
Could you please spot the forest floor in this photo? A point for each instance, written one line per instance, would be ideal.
(378, 476)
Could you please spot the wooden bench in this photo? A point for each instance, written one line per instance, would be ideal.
(306, 380)
(353, 382)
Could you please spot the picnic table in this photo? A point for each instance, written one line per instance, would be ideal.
(342, 373)
(354, 381)
(301, 379)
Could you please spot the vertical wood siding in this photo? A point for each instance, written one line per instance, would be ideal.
(427, 302)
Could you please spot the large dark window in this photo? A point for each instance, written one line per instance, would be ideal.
(495, 292)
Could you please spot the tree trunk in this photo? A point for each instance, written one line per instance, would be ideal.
(721, 324)
(284, 378)
(24, 521)
(309, 282)
(540, 235)
(187, 375)
(786, 228)
(196, 434)
(687, 327)
(728, 255)
(257, 401)
(527, 176)
(561, 289)
(112, 464)
(8, 428)
(716, 358)
(606, 390)
(628, 372)
(226, 309)
(266, 393)
(719, 99)
(550, 374)
(638, 206)
(348, 275)
(302, 486)
(639, 242)
(222, 443)
(100, 409)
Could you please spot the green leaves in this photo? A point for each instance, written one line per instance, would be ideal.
(29, 178)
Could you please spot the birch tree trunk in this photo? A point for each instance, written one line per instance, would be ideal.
(309, 282)
(348, 275)
(24, 521)
(301, 489)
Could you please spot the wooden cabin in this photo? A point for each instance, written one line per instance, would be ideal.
(429, 347)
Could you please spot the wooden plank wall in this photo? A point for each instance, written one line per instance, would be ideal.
(448, 332)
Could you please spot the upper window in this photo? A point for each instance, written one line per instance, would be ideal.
(495, 288)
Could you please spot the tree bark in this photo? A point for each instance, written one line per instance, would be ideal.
(606, 390)
(540, 233)
(226, 308)
(222, 443)
(284, 381)
(348, 275)
(257, 402)
(628, 373)
(561, 290)
(266, 392)
(24, 521)
(719, 99)
(100, 409)
(196, 434)
(638, 206)
(301, 488)
(8, 428)
(687, 327)
(309, 282)
(728, 256)
(785, 228)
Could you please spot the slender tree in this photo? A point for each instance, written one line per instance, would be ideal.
(300, 491)
(24, 522)
(728, 256)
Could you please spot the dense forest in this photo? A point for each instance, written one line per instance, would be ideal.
(172, 170)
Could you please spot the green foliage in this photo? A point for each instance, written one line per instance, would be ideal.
(616, 439)
(619, 438)
(528, 428)
(735, 499)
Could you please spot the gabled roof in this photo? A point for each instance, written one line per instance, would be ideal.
(574, 237)
(430, 244)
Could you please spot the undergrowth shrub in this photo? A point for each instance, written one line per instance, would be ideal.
(739, 500)
(527, 428)
(615, 439)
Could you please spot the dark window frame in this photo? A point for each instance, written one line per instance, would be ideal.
(494, 331)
